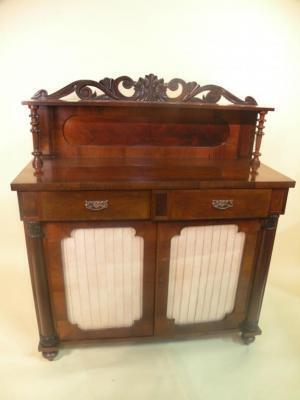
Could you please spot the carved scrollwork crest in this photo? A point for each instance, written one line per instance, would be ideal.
(147, 89)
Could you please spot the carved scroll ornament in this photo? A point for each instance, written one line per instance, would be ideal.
(149, 88)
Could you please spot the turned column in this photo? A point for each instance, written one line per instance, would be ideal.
(255, 161)
(37, 161)
(49, 342)
(249, 327)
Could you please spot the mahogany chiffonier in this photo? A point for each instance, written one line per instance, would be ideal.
(147, 212)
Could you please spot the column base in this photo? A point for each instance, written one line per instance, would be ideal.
(249, 331)
(49, 346)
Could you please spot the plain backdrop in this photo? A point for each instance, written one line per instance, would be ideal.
(248, 47)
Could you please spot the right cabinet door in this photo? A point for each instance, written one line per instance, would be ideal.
(204, 275)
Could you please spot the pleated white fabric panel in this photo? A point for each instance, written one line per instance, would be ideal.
(204, 270)
(103, 274)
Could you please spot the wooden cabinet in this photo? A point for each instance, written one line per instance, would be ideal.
(149, 215)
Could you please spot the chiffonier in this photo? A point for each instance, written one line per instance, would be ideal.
(147, 212)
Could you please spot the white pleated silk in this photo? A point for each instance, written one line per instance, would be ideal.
(103, 273)
(204, 269)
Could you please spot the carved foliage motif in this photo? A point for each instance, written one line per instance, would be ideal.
(271, 222)
(149, 88)
(34, 230)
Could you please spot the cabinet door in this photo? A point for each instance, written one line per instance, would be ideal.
(101, 278)
(204, 275)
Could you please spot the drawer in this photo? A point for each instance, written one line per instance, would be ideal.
(231, 203)
(94, 205)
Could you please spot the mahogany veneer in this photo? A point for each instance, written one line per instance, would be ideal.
(172, 184)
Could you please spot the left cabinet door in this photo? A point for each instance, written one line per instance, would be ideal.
(101, 278)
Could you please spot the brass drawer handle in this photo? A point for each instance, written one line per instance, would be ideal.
(96, 205)
(222, 204)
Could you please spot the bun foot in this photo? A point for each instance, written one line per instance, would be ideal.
(49, 346)
(49, 355)
(247, 339)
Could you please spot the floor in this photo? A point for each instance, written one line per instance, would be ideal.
(207, 368)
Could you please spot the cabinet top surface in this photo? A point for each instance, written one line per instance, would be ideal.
(146, 173)
(148, 104)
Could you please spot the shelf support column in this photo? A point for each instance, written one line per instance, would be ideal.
(255, 161)
(37, 161)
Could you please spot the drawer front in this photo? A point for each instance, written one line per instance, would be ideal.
(208, 204)
(94, 205)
